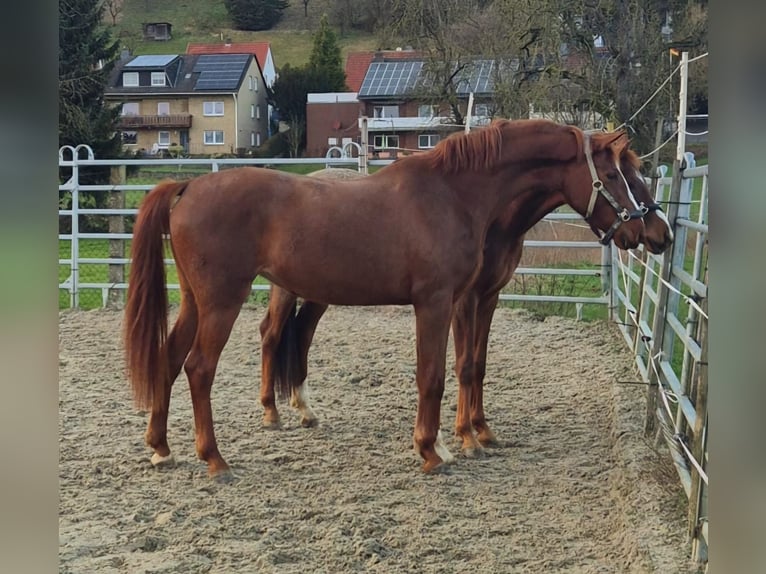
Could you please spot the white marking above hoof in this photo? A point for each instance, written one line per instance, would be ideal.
(159, 460)
(442, 450)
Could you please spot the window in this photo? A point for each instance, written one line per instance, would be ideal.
(385, 112)
(252, 139)
(158, 78)
(255, 84)
(213, 137)
(481, 111)
(250, 83)
(163, 108)
(212, 108)
(427, 141)
(129, 138)
(426, 111)
(258, 112)
(258, 139)
(130, 109)
(385, 141)
(252, 110)
(130, 79)
(163, 139)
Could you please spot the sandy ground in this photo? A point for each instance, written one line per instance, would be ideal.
(574, 486)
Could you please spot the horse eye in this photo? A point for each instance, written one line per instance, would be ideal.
(612, 175)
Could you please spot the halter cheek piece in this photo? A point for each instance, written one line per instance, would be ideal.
(623, 214)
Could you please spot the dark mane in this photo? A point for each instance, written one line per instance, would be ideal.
(482, 149)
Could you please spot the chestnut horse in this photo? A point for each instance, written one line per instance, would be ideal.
(411, 234)
(286, 344)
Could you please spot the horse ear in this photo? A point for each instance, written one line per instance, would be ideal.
(618, 141)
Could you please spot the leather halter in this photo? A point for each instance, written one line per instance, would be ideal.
(623, 213)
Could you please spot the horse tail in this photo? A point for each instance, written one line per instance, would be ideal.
(286, 372)
(146, 308)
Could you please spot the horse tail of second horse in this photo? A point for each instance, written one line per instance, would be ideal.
(286, 370)
(146, 308)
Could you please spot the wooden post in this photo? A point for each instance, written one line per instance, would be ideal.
(115, 297)
(698, 494)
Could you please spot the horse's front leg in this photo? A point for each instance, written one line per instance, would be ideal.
(485, 311)
(432, 320)
(463, 333)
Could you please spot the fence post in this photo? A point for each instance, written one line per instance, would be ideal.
(698, 494)
(116, 200)
(74, 244)
(658, 324)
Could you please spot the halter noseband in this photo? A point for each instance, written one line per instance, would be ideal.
(623, 214)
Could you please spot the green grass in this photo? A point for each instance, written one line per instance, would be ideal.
(99, 273)
(207, 21)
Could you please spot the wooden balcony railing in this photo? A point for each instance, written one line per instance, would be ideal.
(152, 122)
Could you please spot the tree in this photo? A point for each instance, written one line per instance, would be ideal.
(290, 92)
(325, 59)
(323, 73)
(87, 55)
(255, 14)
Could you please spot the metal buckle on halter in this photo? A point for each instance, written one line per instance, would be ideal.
(625, 215)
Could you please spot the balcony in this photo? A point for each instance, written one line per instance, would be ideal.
(131, 122)
(417, 124)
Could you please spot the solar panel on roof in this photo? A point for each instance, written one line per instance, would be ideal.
(151, 61)
(220, 71)
(390, 78)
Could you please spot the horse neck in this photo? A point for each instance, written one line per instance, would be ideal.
(527, 197)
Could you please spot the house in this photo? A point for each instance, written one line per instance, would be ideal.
(200, 104)
(391, 95)
(334, 123)
(157, 30)
(261, 51)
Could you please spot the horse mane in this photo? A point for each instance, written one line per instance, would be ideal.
(482, 149)
(472, 151)
(631, 157)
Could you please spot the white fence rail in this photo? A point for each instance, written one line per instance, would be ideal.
(93, 262)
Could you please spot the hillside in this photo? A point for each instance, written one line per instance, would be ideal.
(208, 21)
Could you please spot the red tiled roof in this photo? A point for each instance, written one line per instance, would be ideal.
(259, 49)
(358, 62)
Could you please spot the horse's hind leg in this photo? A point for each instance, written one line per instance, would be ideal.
(281, 304)
(214, 328)
(308, 318)
(178, 343)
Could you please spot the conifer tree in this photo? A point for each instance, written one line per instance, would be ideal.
(325, 58)
(255, 14)
(86, 57)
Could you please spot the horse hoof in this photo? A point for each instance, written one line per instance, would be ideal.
(473, 452)
(272, 425)
(224, 476)
(488, 439)
(309, 423)
(436, 467)
(160, 461)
